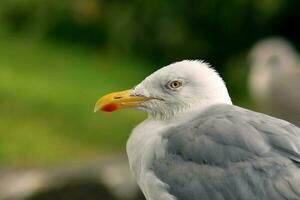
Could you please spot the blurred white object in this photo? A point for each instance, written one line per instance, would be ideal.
(274, 81)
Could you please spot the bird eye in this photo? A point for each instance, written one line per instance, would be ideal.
(174, 84)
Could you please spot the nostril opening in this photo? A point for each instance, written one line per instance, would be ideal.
(117, 97)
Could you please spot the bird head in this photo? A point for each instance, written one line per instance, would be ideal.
(273, 55)
(173, 89)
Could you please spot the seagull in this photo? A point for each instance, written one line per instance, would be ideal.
(274, 79)
(195, 144)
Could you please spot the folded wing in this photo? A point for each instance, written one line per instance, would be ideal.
(227, 152)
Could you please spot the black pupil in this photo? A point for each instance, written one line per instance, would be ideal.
(175, 84)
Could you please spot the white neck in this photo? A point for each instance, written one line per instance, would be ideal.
(146, 143)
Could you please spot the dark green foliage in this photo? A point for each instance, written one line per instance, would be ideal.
(162, 30)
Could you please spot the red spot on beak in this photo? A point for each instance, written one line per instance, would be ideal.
(109, 107)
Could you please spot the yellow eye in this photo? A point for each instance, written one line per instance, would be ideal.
(174, 84)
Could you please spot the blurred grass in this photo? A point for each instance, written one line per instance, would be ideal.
(47, 94)
(48, 91)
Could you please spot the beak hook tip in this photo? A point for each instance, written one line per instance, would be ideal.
(96, 109)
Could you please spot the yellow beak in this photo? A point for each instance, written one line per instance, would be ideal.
(118, 100)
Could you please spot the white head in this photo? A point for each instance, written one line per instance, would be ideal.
(273, 54)
(179, 87)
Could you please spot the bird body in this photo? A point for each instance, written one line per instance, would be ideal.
(274, 79)
(196, 145)
(225, 152)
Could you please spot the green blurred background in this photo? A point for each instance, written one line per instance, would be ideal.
(58, 57)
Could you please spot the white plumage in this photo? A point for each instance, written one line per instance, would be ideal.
(202, 87)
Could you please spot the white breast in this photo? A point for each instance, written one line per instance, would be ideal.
(145, 144)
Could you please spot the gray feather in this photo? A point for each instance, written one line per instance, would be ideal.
(231, 153)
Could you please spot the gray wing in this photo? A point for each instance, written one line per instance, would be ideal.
(231, 153)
